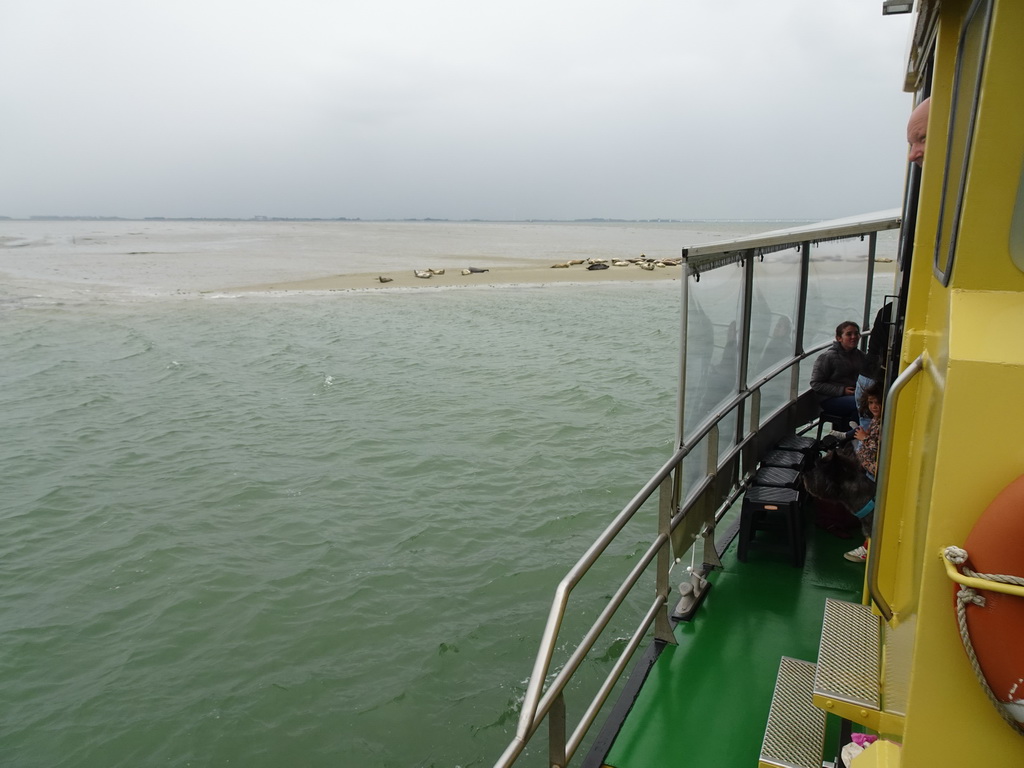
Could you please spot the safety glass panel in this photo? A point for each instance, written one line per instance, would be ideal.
(773, 315)
(712, 344)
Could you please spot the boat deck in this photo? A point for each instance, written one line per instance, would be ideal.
(706, 700)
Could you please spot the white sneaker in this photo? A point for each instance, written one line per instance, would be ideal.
(858, 555)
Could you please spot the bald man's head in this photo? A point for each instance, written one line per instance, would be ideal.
(917, 127)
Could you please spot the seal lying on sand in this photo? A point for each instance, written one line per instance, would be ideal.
(597, 266)
(473, 271)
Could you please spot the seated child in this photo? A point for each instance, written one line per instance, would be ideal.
(867, 455)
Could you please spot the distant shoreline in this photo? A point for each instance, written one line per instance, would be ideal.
(428, 220)
(163, 257)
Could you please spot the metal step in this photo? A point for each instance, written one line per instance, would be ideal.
(850, 655)
(849, 668)
(795, 733)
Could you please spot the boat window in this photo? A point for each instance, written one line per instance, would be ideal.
(714, 322)
(837, 289)
(773, 323)
(1017, 226)
(963, 110)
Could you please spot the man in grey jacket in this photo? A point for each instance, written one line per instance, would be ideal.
(834, 377)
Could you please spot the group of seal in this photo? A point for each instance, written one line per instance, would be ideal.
(428, 273)
(592, 264)
(641, 261)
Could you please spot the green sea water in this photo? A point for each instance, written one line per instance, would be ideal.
(317, 530)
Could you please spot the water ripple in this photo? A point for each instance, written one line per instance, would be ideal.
(278, 533)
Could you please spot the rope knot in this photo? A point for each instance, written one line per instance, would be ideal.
(968, 595)
(955, 555)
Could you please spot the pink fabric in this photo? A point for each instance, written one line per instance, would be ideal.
(863, 739)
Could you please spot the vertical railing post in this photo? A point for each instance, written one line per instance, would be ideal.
(684, 312)
(745, 320)
(666, 509)
(869, 288)
(801, 317)
(743, 340)
(676, 494)
(556, 733)
(743, 350)
(712, 463)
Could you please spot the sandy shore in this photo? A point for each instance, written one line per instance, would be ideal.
(73, 260)
(494, 276)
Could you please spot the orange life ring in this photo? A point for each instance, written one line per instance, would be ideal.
(996, 628)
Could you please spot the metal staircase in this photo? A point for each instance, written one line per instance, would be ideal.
(845, 681)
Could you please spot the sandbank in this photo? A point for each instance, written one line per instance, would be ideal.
(494, 276)
(453, 278)
(80, 259)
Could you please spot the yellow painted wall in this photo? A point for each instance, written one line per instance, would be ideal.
(958, 425)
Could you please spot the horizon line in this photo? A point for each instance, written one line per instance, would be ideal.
(427, 219)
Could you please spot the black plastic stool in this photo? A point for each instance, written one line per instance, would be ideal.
(800, 444)
(785, 459)
(778, 477)
(762, 502)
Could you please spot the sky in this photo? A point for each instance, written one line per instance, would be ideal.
(455, 109)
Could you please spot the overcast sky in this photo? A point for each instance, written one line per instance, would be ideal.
(534, 109)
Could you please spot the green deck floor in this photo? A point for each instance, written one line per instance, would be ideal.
(706, 700)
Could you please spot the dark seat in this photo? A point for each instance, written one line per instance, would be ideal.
(836, 423)
(778, 477)
(785, 459)
(800, 444)
(768, 508)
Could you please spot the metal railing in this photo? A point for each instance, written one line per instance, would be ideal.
(885, 450)
(536, 706)
(681, 521)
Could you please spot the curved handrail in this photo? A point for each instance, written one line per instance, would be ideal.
(882, 486)
(975, 582)
(533, 708)
(539, 703)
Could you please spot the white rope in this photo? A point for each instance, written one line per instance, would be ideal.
(955, 555)
(959, 556)
(967, 595)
